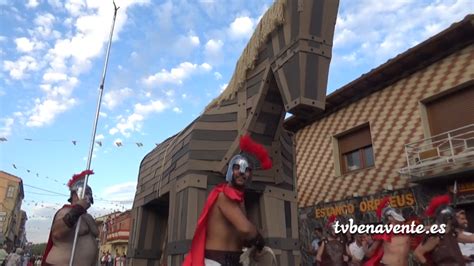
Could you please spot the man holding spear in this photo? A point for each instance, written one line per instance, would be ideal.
(61, 238)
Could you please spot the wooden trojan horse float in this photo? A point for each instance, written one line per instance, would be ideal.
(284, 68)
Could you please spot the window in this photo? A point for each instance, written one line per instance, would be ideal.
(355, 149)
(451, 111)
(10, 191)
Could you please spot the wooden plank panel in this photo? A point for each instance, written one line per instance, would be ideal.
(219, 118)
(209, 155)
(191, 181)
(219, 110)
(184, 215)
(174, 205)
(231, 125)
(281, 38)
(275, 43)
(242, 114)
(294, 220)
(228, 102)
(316, 17)
(175, 222)
(257, 78)
(291, 70)
(288, 221)
(209, 145)
(192, 212)
(150, 230)
(258, 68)
(253, 89)
(219, 135)
(272, 108)
(294, 16)
(283, 258)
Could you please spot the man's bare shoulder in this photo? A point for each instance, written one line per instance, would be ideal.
(223, 200)
(61, 212)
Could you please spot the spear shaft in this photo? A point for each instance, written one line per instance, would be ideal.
(94, 130)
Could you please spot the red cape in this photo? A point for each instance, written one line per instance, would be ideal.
(49, 246)
(195, 256)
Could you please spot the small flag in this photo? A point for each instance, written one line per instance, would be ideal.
(14, 166)
(74, 142)
(118, 143)
(139, 144)
(99, 143)
(3, 139)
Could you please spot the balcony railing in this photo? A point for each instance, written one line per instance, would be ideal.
(441, 152)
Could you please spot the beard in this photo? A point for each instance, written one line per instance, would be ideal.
(237, 186)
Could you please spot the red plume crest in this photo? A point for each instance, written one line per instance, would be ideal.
(383, 203)
(252, 147)
(79, 176)
(331, 220)
(435, 203)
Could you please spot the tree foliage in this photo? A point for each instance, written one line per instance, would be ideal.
(38, 249)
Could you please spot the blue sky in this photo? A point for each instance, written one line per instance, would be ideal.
(169, 59)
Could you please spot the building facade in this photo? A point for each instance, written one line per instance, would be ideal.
(114, 233)
(12, 218)
(403, 130)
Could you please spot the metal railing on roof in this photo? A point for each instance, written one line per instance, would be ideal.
(439, 152)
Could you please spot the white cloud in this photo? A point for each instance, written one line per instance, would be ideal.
(217, 75)
(177, 110)
(7, 126)
(213, 50)
(116, 97)
(378, 30)
(18, 69)
(134, 121)
(51, 77)
(120, 192)
(45, 111)
(25, 45)
(32, 3)
(44, 26)
(102, 114)
(55, 3)
(176, 75)
(241, 28)
(69, 57)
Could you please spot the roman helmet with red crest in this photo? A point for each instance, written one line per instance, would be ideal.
(243, 160)
(76, 185)
(440, 209)
(384, 211)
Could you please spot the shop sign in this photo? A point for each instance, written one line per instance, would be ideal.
(465, 187)
(367, 204)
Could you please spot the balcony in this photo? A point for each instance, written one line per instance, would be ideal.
(448, 153)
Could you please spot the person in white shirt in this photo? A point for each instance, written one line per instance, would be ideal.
(317, 234)
(357, 250)
(467, 249)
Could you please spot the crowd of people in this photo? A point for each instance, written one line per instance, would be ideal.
(18, 258)
(108, 259)
(455, 247)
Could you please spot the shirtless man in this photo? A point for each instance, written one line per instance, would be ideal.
(443, 248)
(333, 250)
(223, 228)
(61, 238)
(395, 247)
